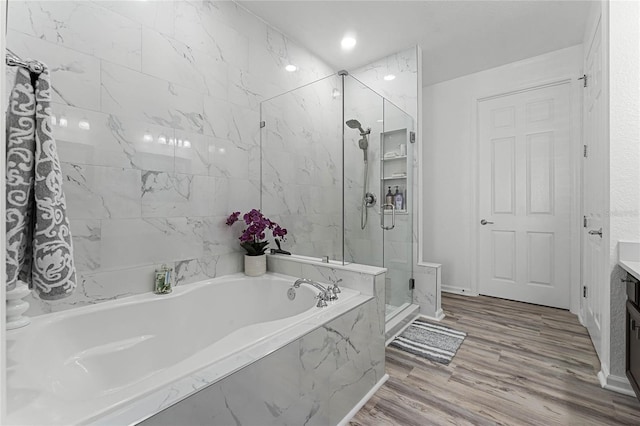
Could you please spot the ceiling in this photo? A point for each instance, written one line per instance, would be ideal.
(457, 37)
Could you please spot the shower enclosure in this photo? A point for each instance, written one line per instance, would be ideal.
(330, 153)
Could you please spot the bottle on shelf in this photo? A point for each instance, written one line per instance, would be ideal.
(388, 199)
(398, 199)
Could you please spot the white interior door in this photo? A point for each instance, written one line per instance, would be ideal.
(524, 196)
(593, 190)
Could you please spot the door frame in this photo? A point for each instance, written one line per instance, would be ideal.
(575, 103)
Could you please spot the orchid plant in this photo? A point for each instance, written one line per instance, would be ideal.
(253, 237)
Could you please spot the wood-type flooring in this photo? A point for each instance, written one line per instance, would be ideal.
(520, 364)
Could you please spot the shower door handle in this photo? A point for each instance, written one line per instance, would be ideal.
(393, 217)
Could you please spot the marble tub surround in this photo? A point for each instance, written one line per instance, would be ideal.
(156, 109)
(315, 380)
(96, 389)
(366, 279)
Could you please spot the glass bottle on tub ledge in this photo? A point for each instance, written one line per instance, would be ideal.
(388, 200)
(398, 199)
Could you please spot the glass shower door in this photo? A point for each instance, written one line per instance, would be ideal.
(301, 167)
(379, 232)
(396, 171)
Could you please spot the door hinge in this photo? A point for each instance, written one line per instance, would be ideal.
(584, 221)
(262, 124)
(584, 291)
(584, 151)
(584, 79)
(412, 137)
(412, 283)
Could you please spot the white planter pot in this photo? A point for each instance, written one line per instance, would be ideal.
(254, 266)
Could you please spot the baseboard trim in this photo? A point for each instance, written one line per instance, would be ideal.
(351, 414)
(614, 383)
(457, 290)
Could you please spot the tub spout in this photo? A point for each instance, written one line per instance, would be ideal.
(322, 297)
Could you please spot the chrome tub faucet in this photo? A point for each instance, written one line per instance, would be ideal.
(333, 290)
(324, 294)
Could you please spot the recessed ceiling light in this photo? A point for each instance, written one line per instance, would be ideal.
(348, 43)
(389, 77)
(291, 68)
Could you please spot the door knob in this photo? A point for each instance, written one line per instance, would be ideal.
(485, 222)
(598, 232)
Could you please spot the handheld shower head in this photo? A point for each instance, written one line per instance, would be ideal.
(355, 124)
(364, 144)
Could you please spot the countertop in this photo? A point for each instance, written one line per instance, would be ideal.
(629, 257)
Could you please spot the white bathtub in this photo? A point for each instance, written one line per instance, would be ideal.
(92, 363)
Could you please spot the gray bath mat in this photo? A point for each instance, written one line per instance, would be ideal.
(432, 341)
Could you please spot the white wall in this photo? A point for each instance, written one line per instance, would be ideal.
(448, 117)
(624, 159)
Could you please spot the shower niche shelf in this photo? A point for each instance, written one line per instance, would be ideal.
(394, 165)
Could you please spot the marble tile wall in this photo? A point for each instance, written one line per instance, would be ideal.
(315, 380)
(401, 91)
(156, 109)
(302, 167)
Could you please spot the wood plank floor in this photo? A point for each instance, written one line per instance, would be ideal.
(520, 364)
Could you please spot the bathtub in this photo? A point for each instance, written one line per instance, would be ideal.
(121, 361)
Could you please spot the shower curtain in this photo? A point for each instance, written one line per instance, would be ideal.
(39, 249)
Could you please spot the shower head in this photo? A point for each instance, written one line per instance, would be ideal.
(355, 124)
(364, 144)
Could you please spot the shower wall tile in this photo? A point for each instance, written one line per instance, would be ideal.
(233, 194)
(87, 236)
(218, 237)
(172, 60)
(402, 91)
(230, 159)
(156, 15)
(174, 195)
(150, 99)
(192, 153)
(82, 26)
(95, 192)
(75, 77)
(97, 287)
(133, 242)
(99, 139)
(231, 122)
(197, 26)
(160, 140)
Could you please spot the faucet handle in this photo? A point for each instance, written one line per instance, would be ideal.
(322, 300)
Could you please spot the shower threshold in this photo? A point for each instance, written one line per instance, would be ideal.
(398, 319)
